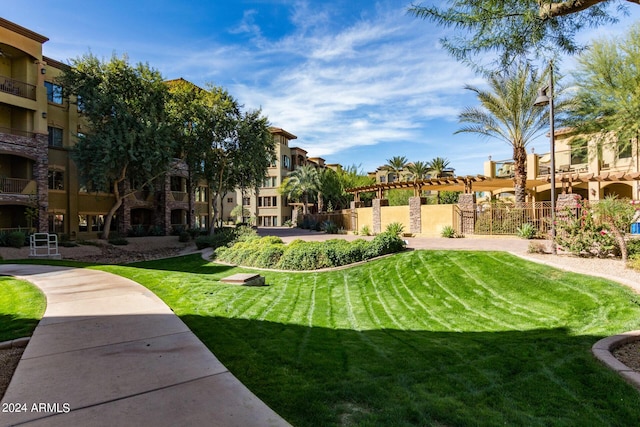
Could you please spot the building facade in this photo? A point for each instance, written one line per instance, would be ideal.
(40, 188)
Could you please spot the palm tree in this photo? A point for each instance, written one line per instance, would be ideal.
(507, 113)
(303, 182)
(418, 169)
(437, 166)
(394, 165)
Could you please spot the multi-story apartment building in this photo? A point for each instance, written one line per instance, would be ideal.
(39, 184)
(268, 206)
(592, 167)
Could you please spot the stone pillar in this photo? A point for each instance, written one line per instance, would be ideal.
(376, 215)
(467, 205)
(415, 215)
(41, 175)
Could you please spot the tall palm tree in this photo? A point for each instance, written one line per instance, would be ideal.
(418, 169)
(395, 165)
(302, 183)
(506, 112)
(437, 166)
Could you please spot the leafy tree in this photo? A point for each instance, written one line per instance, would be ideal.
(352, 177)
(331, 190)
(129, 135)
(256, 150)
(517, 28)
(399, 197)
(395, 165)
(607, 99)
(220, 143)
(507, 113)
(438, 166)
(301, 184)
(617, 215)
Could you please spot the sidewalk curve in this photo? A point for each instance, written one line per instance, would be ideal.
(110, 352)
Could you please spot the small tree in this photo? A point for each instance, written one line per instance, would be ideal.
(617, 215)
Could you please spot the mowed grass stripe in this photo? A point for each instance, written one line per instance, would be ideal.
(464, 298)
(320, 368)
(507, 307)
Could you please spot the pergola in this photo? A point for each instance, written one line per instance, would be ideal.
(469, 184)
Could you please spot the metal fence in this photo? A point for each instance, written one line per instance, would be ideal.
(491, 219)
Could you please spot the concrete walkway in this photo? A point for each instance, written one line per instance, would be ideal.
(108, 352)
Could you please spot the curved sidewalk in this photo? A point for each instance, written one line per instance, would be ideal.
(110, 352)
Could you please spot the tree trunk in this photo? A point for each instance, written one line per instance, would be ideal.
(116, 192)
(320, 202)
(520, 173)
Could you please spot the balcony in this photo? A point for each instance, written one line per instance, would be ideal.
(17, 88)
(17, 132)
(179, 196)
(17, 186)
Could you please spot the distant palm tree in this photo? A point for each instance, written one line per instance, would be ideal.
(302, 183)
(395, 165)
(507, 112)
(437, 167)
(418, 169)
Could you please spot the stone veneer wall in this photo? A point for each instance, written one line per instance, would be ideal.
(466, 203)
(377, 220)
(415, 215)
(36, 149)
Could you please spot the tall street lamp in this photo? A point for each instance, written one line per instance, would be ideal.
(545, 96)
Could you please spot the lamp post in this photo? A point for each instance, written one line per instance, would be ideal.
(545, 96)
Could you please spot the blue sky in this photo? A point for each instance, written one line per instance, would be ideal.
(357, 81)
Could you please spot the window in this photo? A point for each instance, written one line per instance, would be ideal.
(286, 162)
(383, 179)
(93, 223)
(55, 137)
(201, 194)
(578, 152)
(273, 163)
(56, 223)
(624, 151)
(54, 93)
(229, 199)
(56, 180)
(246, 201)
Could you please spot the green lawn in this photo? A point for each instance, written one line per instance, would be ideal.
(21, 307)
(420, 338)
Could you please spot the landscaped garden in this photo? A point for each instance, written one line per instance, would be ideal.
(419, 338)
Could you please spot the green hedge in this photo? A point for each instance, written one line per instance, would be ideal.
(271, 252)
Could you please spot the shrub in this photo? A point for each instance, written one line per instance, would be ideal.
(118, 240)
(16, 239)
(448, 231)
(329, 227)
(3, 238)
(270, 252)
(137, 231)
(184, 237)
(156, 230)
(633, 262)
(577, 232)
(633, 246)
(537, 248)
(395, 228)
(288, 223)
(384, 243)
(365, 231)
(222, 237)
(527, 231)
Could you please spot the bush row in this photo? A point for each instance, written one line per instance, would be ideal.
(271, 252)
(226, 236)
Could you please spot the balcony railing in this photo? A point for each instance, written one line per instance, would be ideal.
(180, 196)
(18, 88)
(13, 185)
(17, 132)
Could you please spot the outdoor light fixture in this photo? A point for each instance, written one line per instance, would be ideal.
(44, 114)
(545, 96)
(43, 70)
